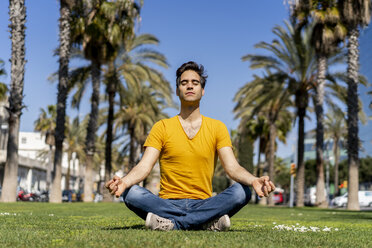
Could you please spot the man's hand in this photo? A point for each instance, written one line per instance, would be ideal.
(115, 186)
(263, 186)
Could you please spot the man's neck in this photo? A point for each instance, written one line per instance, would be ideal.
(190, 113)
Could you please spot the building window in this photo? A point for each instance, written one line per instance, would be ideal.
(24, 140)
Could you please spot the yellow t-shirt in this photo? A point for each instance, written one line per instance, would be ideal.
(187, 165)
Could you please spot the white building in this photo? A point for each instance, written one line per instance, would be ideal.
(36, 162)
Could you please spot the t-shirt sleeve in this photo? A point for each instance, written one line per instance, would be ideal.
(223, 136)
(156, 136)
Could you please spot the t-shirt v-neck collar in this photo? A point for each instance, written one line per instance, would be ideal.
(183, 130)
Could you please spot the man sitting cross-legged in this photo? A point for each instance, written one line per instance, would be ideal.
(187, 146)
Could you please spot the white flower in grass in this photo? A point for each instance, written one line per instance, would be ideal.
(303, 229)
(274, 223)
(326, 229)
(297, 224)
(51, 214)
(8, 214)
(300, 214)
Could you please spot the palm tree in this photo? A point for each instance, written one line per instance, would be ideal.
(46, 125)
(355, 14)
(2, 70)
(335, 129)
(100, 27)
(267, 96)
(132, 66)
(3, 87)
(328, 31)
(141, 108)
(17, 16)
(64, 57)
(292, 56)
(75, 136)
(257, 129)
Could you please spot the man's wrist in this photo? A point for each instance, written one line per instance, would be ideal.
(253, 179)
(125, 182)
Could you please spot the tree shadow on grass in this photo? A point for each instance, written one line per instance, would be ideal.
(135, 227)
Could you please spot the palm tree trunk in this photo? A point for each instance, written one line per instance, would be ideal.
(91, 132)
(300, 180)
(109, 135)
(17, 16)
(64, 55)
(49, 168)
(336, 156)
(9, 189)
(258, 164)
(352, 121)
(132, 150)
(271, 157)
(263, 200)
(67, 181)
(320, 185)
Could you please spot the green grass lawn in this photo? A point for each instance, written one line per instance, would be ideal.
(113, 225)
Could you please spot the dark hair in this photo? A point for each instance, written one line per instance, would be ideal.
(191, 65)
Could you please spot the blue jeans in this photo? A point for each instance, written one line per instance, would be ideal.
(187, 214)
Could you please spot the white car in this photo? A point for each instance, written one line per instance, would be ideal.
(365, 199)
(310, 196)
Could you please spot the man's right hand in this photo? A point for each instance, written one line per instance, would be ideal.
(115, 186)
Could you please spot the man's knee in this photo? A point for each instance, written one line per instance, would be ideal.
(132, 194)
(242, 193)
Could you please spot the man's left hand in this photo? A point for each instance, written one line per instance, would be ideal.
(263, 186)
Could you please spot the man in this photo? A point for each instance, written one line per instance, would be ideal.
(187, 146)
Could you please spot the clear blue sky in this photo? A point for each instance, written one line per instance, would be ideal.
(214, 33)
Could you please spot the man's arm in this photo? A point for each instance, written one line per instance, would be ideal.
(263, 186)
(117, 185)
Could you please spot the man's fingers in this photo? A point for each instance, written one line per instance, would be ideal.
(107, 184)
(114, 179)
(272, 186)
(265, 190)
(268, 186)
(113, 185)
(265, 178)
(119, 192)
(113, 190)
(258, 190)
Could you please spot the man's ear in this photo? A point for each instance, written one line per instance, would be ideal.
(177, 91)
(203, 92)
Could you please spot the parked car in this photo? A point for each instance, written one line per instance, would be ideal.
(278, 196)
(310, 196)
(365, 199)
